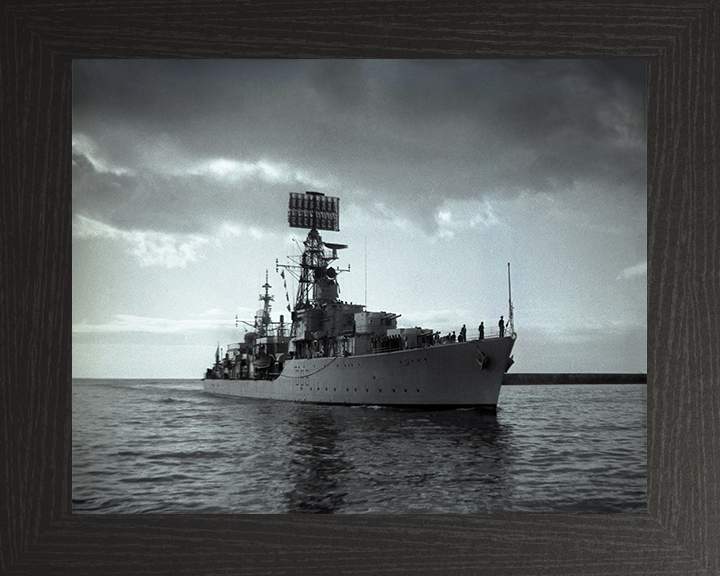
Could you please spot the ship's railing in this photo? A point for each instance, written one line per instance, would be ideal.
(436, 340)
(491, 332)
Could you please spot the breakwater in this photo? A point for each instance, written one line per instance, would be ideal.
(550, 378)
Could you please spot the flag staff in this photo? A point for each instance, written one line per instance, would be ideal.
(510, 305)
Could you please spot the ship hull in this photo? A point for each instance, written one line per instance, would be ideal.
(449, 375)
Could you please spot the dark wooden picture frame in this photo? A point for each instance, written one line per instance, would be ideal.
(680, 533)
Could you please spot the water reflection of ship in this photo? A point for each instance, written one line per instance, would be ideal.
(485, 443)
(476, 446)
(316, 465)
(428, 451)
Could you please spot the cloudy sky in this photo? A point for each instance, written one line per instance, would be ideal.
(446, 171)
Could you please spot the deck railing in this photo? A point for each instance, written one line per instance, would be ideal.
(490, 333)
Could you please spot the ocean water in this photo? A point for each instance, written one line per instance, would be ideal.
(164, 446)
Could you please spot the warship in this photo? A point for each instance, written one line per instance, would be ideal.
(335, 352)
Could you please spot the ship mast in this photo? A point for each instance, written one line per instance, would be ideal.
(316, 279)
(262, 318)
(312, 263)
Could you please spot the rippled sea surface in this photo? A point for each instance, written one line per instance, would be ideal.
(164, 446)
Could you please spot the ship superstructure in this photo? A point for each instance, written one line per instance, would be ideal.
(338, 352)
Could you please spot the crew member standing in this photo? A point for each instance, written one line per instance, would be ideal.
(501, 325)
(481, 330)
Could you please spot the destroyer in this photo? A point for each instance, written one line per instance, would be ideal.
(335, 352)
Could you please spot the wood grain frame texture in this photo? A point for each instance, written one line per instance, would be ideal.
(681, 532)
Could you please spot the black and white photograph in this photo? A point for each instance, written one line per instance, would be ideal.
(366, 286)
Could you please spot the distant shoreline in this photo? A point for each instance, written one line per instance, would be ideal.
(551, 378)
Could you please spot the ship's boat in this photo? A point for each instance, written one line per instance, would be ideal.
(336, 352)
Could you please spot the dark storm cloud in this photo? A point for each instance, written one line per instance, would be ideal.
(186, 203)
(409, 133)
